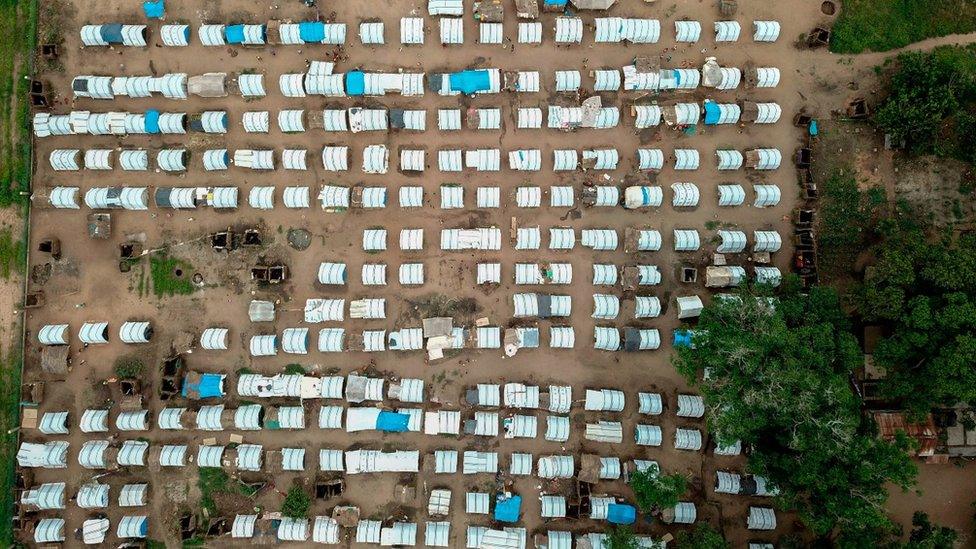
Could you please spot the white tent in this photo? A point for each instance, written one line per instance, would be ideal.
(766, 195)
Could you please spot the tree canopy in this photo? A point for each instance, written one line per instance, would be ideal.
(777, 379)
(930, 102)
(655, 491)
(703, 536)
(923, 291)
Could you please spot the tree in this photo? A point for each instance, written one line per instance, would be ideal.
(778, 381)
(655, 491)
(923, 291)
(622, 537)
(297, 503)
(925, 535)
(702, 537)
(929, 102)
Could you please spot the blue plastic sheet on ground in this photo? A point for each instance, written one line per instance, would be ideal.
(112, 33)
(814, 130)
(620, 513)
(682, 338)
(207, 386)
(152, 121)
(712, 113)
(311, 32)
(234, 34)
(355, 83)
(468, 82)
(154, 10)
(392, 422)
(507, 508)
(555, 2)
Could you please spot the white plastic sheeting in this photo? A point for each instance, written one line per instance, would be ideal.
(569, 30)
(687, 31)
(727, 31)
(765, 31)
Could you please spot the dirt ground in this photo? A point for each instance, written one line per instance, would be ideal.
(86, 284)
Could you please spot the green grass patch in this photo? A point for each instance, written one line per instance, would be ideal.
(212, 481)
(9, 420)
(18, 26)
(129, 366)
(170, 276)
(843, 226)
(13, 255)
(295, 369)
(882, 25)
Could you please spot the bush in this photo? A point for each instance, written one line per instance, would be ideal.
(702, 537)
(656, 491)
(130, 366)
(621, 537)
(297, 503)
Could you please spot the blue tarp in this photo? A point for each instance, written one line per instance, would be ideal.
(468, 82)
(392, 422)
(144, 528)
(207, 386)
(112, 33)
(620, 513)
(507, 508)
(355, 83)
(682, 338)
(555, 2)
(154, 10)
(712, 113)
(312, 32)
(234, 34)
(814, 130)
(152, 121)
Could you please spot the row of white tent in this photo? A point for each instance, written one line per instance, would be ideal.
(321, 80)
(376, 159)
(567, 30)
(108, 455)
(336, 340)
(357, 119)
(452, 196)
(256, 417)
(93, 531)
(93, 495)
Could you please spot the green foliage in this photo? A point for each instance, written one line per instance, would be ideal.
(656, 491)
(10, 366)
(844, 222)
(925, 535)
(297, 503)
(702, 537)
(18, 24)
(165, 280)
(882, 25)
(212, 481)
(129, 366)
(295, 368)
(931, 101)
(778, 381)
(622, 537)
(13, 255)
(923, 290)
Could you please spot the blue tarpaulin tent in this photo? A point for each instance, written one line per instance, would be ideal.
(203, 385)
(507, 508)
(112, 33)
(682, 338)
(355, 83)
(312, 32)
(468, 82)
(555, 2)
(621, 513)
(712, 113)
(154, 9)
(234, 34)
(392, 422)
(152, 121)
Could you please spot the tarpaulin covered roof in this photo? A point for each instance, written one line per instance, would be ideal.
(507, 508)
(197, 385)
(469, 82)
(618, 513)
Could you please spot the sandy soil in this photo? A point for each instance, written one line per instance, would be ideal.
(86, 283)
